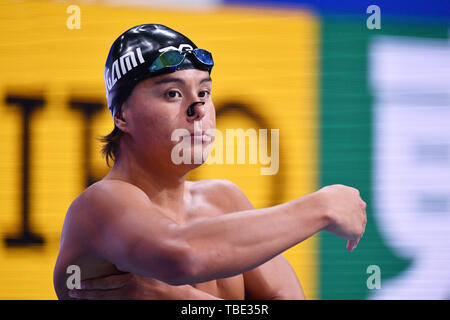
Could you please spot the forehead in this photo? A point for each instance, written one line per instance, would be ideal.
(181, 77)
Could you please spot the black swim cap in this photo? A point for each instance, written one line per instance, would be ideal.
(132, 54)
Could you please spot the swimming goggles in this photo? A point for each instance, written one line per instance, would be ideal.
(173, 58)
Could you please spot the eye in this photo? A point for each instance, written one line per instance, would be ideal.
(173, 94)
(203, 94)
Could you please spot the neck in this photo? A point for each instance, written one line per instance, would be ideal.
(165, 188)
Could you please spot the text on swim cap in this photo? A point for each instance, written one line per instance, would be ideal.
(127, 62)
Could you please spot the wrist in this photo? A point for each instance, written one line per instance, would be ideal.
(321, 209)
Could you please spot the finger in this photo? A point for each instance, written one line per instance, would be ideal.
(95, 294)
(351, 245)
(356, 244)
(364, 204)
(106, 283)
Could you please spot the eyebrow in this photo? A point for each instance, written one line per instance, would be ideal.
(179, 80)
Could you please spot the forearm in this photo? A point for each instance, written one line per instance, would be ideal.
(235, 243)
(187, 292)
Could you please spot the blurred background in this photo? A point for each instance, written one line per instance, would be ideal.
(360, 95)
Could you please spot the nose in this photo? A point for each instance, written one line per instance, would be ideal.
(196, 111)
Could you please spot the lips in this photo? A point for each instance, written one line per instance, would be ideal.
(201, 136)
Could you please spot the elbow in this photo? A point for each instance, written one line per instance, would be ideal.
(189, 262)
(175, 262)
(185, 267)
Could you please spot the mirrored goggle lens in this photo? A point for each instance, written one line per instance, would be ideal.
(167, 59)
(204, 56)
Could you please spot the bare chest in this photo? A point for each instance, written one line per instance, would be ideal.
(228, 288)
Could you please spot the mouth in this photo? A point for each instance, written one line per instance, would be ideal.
(201, 136)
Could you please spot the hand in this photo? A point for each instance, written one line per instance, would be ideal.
(129, 286)
(346, 212)
(126, 286)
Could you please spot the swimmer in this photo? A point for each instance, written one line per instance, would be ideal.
(145, 232)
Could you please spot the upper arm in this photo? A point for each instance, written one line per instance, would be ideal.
(274, 279)
(120, 225)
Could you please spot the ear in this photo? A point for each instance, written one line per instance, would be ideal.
(120, 119)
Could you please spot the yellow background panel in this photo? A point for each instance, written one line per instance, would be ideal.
(265, 61)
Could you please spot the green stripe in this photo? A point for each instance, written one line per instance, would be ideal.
(346, 148)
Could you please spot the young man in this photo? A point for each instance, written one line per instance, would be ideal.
(150, 233)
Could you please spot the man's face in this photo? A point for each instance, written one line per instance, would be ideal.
(158, 106)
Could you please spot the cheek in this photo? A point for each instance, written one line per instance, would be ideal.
(148, 113)
(211, 115)
(151, 120)
(153, 127)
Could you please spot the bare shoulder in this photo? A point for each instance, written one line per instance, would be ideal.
(221, 192)
(110, 193)
(102, 201)
(114, 189)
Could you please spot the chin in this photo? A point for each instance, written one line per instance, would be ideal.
(194, 165)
